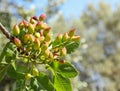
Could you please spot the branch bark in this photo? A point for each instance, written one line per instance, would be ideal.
(5, 32)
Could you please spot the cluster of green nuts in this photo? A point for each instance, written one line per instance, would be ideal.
(33, 40)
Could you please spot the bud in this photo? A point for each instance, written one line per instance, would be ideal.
(46, 31)
(48, 37)
(59, 38)
(71, 33)
(65, 37)
(31, 28)
(28, 76)
(17, 42)
(75, 38)
(31, 38)
(16, 30)
(36, 44)
(26, 38)
(25, 23)
(42, 17)
(35, 72)
(63, 51)
(37, 34)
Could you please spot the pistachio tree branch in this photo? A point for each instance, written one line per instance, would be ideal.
(5, 32)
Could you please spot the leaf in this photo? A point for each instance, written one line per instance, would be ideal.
(67, 69)
(18, 73)
(14, 65)
(61, 83)
(72, 46)
(8, 53)
(20, 84)
(3, 70)
(42, 82)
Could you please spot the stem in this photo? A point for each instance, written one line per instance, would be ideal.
(5, 32)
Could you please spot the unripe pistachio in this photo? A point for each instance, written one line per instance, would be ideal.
(28, 49)
(28, 76)
(21, 25)
(47, 52)
(35, 18)
(65, 37)
(31, 28)
(44, 46)
(31, 38)
(32, 21)
(41, 32)
(36, 44)
(17, 42)
(42, 57)
(42, 17)
(48, 37)
(41, 39)
(59, 38)
(26, 38)
(63, 51)
(46, 31)
(37, 34)
(71, 33)
(25, 23)
(45, 26)
(41, 25)
(75, 38)
(35, 71)
(62, 61)
(16, 30)
(51, 55)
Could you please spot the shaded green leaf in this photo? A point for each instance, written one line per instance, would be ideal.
(18, 73)
(42, 82)
(8, 53)
(61, 83)
(67, 69)
(3, 70)
(72, 46)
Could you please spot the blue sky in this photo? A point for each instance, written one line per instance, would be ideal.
(71, 7)
(75, 7)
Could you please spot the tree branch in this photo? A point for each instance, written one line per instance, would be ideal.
(5, 32)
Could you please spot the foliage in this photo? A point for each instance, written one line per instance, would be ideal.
(32, 45)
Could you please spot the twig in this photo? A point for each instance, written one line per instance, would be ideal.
(5, 32)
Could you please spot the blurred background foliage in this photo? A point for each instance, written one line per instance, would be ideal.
(98, 57)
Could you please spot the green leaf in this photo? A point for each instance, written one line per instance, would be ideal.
(20, 84)
(67, 69)
(61, 83)
(42, 82)
(72, 46)
(3, 70)
(8, 53)
(19, 73)
(14, 65)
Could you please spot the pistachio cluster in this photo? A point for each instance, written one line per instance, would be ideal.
(34, 40)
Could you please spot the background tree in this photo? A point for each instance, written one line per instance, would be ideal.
(98, 57)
